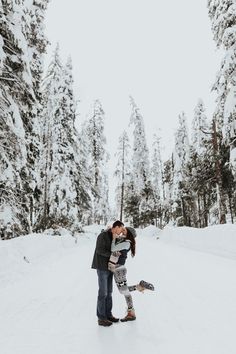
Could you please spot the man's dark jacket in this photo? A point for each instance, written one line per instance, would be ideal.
(102, 251)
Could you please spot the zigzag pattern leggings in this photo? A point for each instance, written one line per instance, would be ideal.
(121, 282)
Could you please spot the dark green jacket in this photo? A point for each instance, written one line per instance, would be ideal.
(102, 251)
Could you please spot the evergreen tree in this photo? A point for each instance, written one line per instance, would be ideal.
(199, 166)
(37, 42)
(81, 174)
(101, 205)
(122, 172)
(35, 13)
(157, 180)
(139, 200)
(59, 166)
(181, 154)
(97, 161)
(168, 171)
(223, 16)
(180, 159)
(84, 180)
(199, 128)
(17, 96)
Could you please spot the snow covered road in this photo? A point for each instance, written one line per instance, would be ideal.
(48, 306)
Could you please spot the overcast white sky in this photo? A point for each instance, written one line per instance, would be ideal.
(160, 52)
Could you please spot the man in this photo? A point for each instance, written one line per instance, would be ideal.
(105, 277)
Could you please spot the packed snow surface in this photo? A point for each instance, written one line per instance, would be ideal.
(48, 294)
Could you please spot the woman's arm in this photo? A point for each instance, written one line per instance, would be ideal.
(116, 247)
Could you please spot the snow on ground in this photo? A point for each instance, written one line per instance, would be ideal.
(48, 294)
(217, 239)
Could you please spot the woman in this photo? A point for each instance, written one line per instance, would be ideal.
(120, 247)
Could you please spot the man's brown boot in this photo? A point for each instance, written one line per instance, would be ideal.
(104, 323)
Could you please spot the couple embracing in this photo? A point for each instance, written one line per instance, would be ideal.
(109, 260)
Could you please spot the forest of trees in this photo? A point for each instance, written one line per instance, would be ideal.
(53, 174)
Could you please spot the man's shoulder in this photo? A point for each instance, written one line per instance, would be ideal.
(105, 233)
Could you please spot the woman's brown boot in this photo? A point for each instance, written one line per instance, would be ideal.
(130, 316)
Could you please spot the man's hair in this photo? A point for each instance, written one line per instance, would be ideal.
(118, 223)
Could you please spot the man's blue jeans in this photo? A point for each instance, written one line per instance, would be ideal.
(104, 301)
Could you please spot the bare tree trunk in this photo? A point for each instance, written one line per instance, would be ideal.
(205, 210)
(122, 182)
(219, 188)
(31, 198)
(122, 201)
(183, 211)
(199, 211)
(47, 140)
(230, 208)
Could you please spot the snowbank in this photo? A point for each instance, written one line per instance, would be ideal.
(33, 246)
(20, 254)
(218, 239)
(149, 231)
(94, 229)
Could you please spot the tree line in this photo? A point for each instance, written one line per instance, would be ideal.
(53, 174)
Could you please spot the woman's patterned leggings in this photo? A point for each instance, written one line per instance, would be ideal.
(121, 282)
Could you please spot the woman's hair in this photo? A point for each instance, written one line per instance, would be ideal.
(131, 238)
